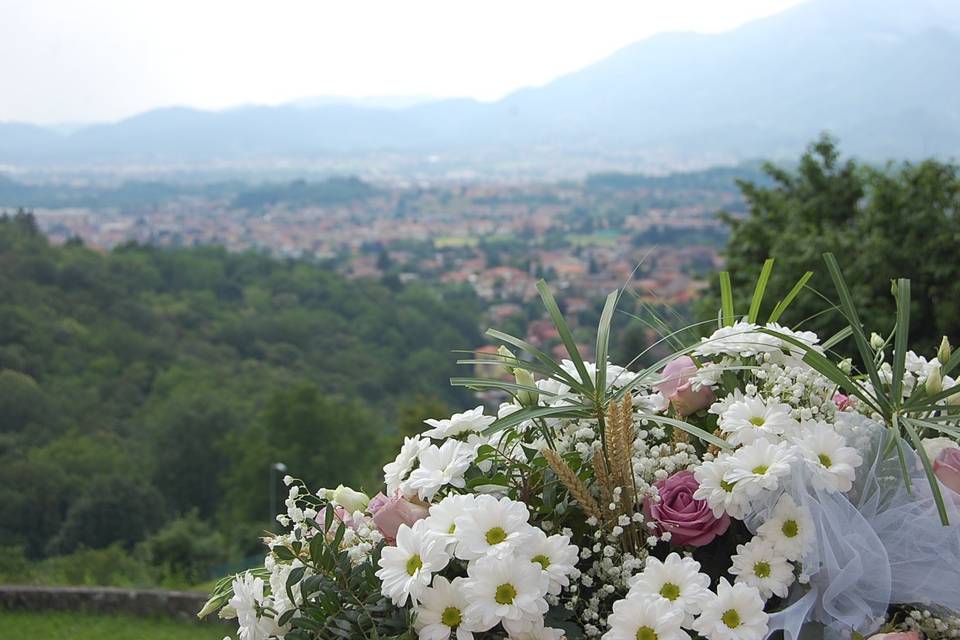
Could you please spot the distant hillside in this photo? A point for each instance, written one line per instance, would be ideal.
(150, 383)
(880, 75)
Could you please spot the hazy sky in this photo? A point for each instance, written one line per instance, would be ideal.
(91, 60)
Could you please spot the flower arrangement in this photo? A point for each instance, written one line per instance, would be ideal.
(751, 483)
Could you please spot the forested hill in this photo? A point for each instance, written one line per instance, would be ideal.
(141, 384)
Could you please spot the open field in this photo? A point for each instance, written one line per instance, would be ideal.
(58, 625)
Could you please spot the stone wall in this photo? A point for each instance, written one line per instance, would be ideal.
(182, 605)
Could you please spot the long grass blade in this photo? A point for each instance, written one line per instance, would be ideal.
(726, 299)
(487, 383)
(901, 334)
(706, 436)
(566, 336)
(531, 413)
(853, 319)
(928, 470)
(788, 300)
(558, 371)
(826, 368)
(838, 337)
(759, 290)
(603, 338)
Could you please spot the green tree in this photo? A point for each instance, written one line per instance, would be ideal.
(112, 509)
(882, 223)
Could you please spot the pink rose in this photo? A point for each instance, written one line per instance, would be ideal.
(376, 502)
(689, 521)
(841, 401)
(344, 516)
(395, 512)
(946, 467)
(896, 635)
(677, 388)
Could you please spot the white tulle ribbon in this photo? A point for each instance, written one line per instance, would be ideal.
(877, 545)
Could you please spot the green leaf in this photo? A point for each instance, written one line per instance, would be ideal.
(759, 290)
(902, 334)
(328, 517)
(566, 336)
(786, 302)
(603, 338)
(927, 469)
(726, 299)
(853, 318)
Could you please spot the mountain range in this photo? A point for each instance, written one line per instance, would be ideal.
(883, 76)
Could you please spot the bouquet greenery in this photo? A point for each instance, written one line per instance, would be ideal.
(752, 482)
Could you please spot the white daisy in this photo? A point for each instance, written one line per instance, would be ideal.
(535, 631)
(555, 393)
(617, 376)
(502, 589)
(397, 471)
(492, 526)
(675, 580)
(736, 613)
(555, 555)
(443, 515)
(721, 495)
(758, 565)
(248, 602)
(637, 617)
(758, 466)
(808, 337)
(468, 421)
(442, 611)
(834, 464)
(752, 418)
(789, 529)
(406, 569)
(440, 466)
(741, 339)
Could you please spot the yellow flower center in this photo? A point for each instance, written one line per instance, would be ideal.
(453, 528)
(496, 536)
(762, 569)
(646, 633)
(760, 469)
(758, 421)
(542, 560)
(451, 617)
(413, 564)
(727, 486)
(670, 591)
(790, 528)
(505, 594)
(731, 618)
(825, 460)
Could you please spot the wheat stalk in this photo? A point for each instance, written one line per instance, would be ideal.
(573, 483)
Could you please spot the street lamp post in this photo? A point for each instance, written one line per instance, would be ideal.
(274, 468)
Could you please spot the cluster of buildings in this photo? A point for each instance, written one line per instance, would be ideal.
(499, 239)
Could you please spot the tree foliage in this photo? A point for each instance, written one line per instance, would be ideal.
(900, 220)
(144, 384)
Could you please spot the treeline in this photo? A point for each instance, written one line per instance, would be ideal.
(714, 179)
(142, 194)
(145, 389)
